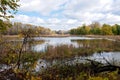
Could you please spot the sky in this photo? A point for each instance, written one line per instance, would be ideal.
(67, 14)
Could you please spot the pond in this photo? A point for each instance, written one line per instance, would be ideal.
(58, 41)
(112, 57)
(109, 49)
(105, 45)
(102, 50)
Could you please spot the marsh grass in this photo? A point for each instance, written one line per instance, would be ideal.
(57, 52)
(79, 71)
(84, 48)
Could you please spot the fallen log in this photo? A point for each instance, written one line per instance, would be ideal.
(108, 68)
(98, 67)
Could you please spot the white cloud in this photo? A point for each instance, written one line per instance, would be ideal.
(71, 21)
(73, 14)
(53, 20)
(52, 23)
(89, 6)
(42, 6)
(96, 10)
(27, 19)
(112, 19)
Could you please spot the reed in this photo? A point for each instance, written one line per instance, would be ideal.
(84, 48)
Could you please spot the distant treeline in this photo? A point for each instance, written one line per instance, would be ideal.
(16, 28)
(96, 29)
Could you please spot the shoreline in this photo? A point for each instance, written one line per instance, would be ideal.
(116, 37)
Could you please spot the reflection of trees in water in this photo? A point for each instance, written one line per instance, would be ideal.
(98, 43)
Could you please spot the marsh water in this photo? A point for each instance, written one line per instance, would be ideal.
(54, 41)
(112, 54)
(80, 42)
(111, 49)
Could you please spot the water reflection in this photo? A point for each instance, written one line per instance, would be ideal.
(54, 41)
(80, 42)
(102, 57)
(112, 57)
